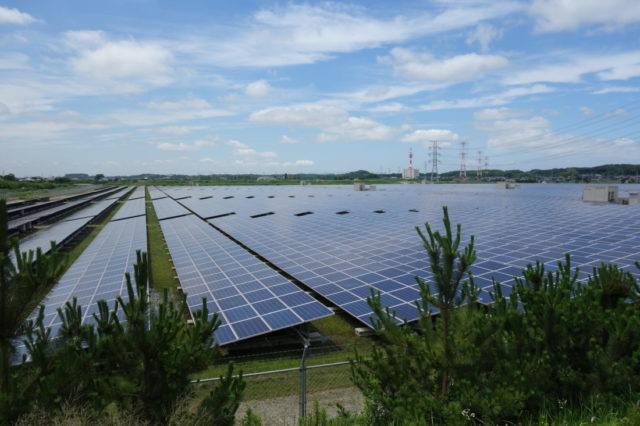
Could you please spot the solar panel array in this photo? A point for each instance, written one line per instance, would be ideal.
(251, 297)
(342, 255)
(99, 271)
(137, 193)
(167, 208)
(130, 208)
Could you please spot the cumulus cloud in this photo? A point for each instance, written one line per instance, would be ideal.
(357, 129)
(424, 66)
(390, 107)
(426, 136)
(336, 123)
(14, 16)
(257, 89)
(126, 66)
(554, 15)
(618, 113)
(243, 150)
(182, 146)
(311, 115)
(303, 163)
(286, 140)
(484, 34)
(499, 113)
(172, 131)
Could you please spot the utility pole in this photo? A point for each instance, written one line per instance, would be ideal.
(434, 161)
(486, 165)
(463, 163)
(479, 174)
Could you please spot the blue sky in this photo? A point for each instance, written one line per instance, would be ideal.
(200, 87)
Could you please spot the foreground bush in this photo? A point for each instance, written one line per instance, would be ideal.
(550, 345)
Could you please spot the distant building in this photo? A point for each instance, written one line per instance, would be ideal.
(410, 173)
(266, 178)
(600, 194)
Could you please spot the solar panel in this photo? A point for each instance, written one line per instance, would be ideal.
(99, 271)
(167, 208)
(131, 208)
(252, 298)
(138, 193)
(155, 193)
(92, 210)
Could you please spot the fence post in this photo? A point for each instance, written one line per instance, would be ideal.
(303, 382)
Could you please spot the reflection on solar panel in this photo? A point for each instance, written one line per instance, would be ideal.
(342, 255)
(99, 271)
(252, 298)
(156, 194)
(167, 208)
(59, 232)
(93, 210)
(44, 215)
(131, 208)
(119, 194)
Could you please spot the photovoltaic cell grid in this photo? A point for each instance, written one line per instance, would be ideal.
(130, 208)
(99, 271)
(119, 193)
(92, 210)
(341, 256)
(252, 298)
(137, 193)
(59, 232)
(167, 208)
(155, 193)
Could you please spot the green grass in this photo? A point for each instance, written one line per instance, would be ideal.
(162, 274)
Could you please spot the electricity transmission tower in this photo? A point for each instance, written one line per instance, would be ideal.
(479, 174)
(463, 157)
(435, 159)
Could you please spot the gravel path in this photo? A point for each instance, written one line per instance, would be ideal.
(283, 411)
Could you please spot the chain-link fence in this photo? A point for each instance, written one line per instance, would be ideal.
(281, 395)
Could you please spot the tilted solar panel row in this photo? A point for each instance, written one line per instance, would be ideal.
(98, 274)
(251, 297)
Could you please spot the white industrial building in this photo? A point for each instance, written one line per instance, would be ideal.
(410, 173)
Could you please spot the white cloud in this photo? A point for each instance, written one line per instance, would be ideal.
(286, 140)
(172, 131)
(336, 123)
(310, 115)
(303, 163)
(186, 103)
(390, 107)
(14, 16)
(209, 160)
(618, 113)
(357, 129)
(560, 15)
(307, 33)
(586, 111)
(423, 66)
(14, 61)
(182, 146)
(258, 89)
(617, 89)
(245, 151)
(126, 66)
(443, 136)
(237, 144)
(484, 34)
(499, 113)
(84, 39)
(618, 66)
(488, 100)
(268, 154)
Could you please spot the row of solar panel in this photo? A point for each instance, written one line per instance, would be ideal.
(251, 297)
(343, 256)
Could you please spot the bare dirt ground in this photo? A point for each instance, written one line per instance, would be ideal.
(283, 411)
